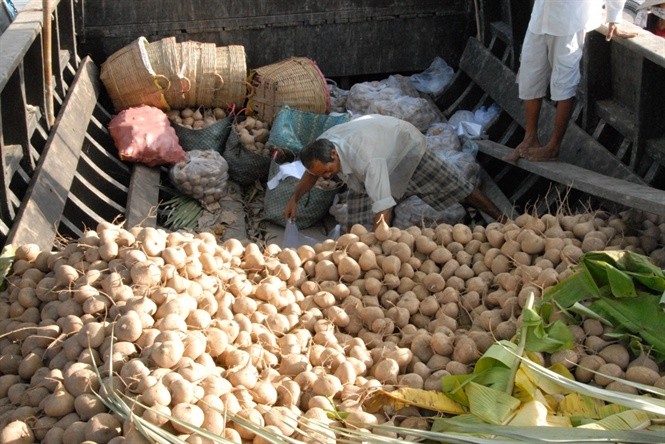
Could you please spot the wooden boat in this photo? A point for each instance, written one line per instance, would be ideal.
(60, 178)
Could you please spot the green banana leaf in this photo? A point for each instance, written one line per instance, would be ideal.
(549, 338)
(641, 315)
(622, 287)
(493, 370)
(637, 266)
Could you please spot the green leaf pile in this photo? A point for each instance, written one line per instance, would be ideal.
(622, 287)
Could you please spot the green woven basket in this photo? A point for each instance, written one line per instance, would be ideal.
(311, 208)
(212, 137)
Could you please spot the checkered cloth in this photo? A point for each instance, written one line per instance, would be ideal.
(438, 184)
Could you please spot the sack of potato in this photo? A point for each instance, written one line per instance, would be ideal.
(246, 151)
(201, 128)
(203, 175)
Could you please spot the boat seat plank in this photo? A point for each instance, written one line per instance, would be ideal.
(621, 191)
(578, 147)
(492, 190)
(142, 197)
(47, 193)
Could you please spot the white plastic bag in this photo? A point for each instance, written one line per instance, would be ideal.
(442, 136)
(486, 114)
(395, 97)
(294, 238)
(335, 233)
(434, 79)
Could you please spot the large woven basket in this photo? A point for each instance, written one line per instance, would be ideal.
(199, 60)
(231, 64)
(296, 81)
(130, 80)
(165, 57)
(190, 68)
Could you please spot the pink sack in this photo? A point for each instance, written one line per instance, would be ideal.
(143, 134)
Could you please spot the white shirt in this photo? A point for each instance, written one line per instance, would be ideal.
(567, 17)
(378, 155)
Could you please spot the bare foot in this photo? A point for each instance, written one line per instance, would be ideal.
(516, 154)
(522, 149)
(542, 154)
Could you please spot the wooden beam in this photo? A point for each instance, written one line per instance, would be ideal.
(633, 195)
(142, 197)
(646, 44)
(42, 207)
(18, 38)
(492, 190)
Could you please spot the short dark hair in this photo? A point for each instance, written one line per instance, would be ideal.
(319, 150)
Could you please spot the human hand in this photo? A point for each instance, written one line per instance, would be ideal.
(290, 210)
(614, 31)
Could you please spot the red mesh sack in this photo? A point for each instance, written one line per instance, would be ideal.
(143, 134)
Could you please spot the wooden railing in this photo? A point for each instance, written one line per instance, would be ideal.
(23, 126)
(62, 178)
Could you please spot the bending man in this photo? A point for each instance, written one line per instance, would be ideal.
(383, 160)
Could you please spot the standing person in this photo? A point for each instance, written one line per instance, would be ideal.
(383, 159)
(551, 55)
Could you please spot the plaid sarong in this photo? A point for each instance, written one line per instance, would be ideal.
(438, 184)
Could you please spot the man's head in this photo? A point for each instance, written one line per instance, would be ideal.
(321, 159)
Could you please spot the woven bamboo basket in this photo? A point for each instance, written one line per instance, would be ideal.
(130, 80)
(199, 61)
(190, 69)
(231, 64)
(165, 57)
(296, 81)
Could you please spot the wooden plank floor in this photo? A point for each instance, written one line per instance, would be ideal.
(624, 192)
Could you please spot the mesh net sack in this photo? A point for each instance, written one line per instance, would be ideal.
(143, 134)
(312, 206)
(245, 166)
(202, 175)
(212, 137)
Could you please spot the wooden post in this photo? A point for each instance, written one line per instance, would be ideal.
(48, 66)
(477, 14)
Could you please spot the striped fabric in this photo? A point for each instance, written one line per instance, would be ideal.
(438, 184)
